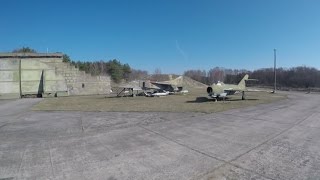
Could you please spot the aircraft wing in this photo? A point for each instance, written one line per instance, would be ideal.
(245, 90)
(254, 90)
(233, 89)
(134, 88)
(230, 91)
(259, 90)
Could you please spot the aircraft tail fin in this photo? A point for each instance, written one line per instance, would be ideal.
(242, 83)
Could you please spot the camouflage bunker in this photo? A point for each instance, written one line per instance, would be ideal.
(46, 75)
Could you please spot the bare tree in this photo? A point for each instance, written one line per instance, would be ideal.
(157, 74)
(138, 75)
(216, 74)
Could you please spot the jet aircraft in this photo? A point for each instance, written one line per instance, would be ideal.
(165, 86)
(221, 90)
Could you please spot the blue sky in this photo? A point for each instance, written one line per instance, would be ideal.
(173, 35)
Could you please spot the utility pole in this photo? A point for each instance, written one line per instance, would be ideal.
(20, 84)
(275, 70)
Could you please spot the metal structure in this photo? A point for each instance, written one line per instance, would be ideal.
(275, 71)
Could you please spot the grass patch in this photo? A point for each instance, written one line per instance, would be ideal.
(195, 101)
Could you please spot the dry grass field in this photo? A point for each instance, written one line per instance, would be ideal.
(195, 101)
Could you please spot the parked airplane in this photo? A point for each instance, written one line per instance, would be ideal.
(151, 88)
(165, 86)
(157, 93)
(126, 90)
(221, 90)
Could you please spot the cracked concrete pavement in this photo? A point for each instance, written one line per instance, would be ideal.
(269, 141)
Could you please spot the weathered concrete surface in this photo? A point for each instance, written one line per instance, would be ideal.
(270, 141)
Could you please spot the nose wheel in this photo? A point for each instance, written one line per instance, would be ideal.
(243, 96)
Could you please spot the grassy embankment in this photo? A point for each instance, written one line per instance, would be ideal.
(195, 101)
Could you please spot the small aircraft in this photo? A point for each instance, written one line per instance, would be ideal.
(165, 86)
(151, 88)
(221, 90)
(126, 90)
(157, 93)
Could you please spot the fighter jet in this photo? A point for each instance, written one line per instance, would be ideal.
(165, 86)
(173, 86)
(221, 90)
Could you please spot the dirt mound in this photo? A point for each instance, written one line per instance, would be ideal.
(162, 77)
(186, 82)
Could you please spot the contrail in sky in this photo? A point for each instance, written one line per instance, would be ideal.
(181, 51)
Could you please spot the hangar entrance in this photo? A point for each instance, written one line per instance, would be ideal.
(38, 83)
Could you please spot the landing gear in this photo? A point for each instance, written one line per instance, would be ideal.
(243, 96)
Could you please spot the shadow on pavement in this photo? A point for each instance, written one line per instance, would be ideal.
(242, 100)
(200, 100)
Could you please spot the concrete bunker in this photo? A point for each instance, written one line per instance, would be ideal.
(46, 75)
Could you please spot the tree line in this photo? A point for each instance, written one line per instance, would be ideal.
(114, 68)
(296, 77)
